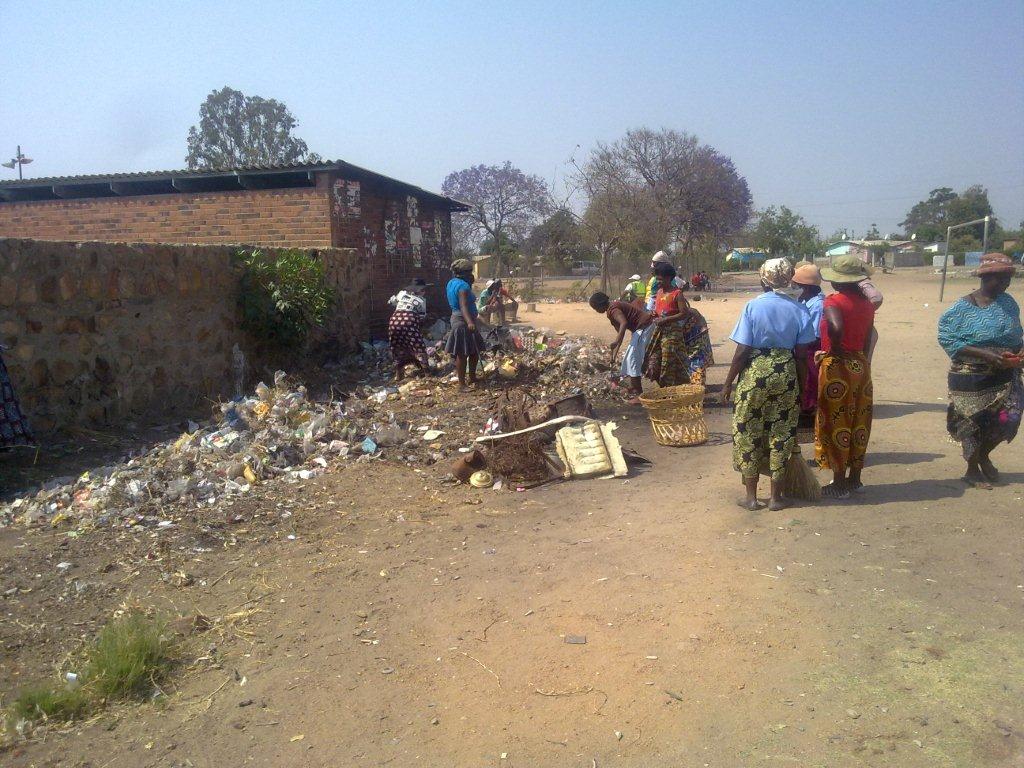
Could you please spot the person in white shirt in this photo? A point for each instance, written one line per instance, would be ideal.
(404, 334)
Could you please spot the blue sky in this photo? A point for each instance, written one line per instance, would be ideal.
(848, 112)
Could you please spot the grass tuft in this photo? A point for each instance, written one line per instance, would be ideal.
(44, 702)
(128, 658)
(126, 661)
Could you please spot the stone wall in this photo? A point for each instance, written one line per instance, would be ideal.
(100, 332)
(292, 218)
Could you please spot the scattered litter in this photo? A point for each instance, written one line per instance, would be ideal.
(576, 639)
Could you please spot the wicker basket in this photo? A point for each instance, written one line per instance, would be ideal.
(677, 414)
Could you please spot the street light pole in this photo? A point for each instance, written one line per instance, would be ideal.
(949, 235)
(18, 160)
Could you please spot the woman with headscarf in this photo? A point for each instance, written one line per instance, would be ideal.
(464, 341)
(404, 335)
(982, 335)
(771, 338)
(807, 277)
(843, 424)
(679, 350)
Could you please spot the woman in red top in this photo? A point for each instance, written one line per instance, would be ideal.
(843, 423)
(679, 351)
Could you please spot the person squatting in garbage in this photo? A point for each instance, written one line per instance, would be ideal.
(983, 337)
(679, 350)
(464, 340)
(626, 316)
(770, 362)
(495, 299)
(404, 334)
(845, 399)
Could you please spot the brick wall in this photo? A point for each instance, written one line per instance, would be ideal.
(97, 332)
(400, 234)
(280, 217)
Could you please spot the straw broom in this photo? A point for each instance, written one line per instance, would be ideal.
(798, 479)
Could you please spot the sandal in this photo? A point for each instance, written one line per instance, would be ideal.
(833, 491)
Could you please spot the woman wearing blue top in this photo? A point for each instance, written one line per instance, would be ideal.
(982, 335)
(771, 338)
(464, 342)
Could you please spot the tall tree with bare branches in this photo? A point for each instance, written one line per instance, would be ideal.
(663, 186)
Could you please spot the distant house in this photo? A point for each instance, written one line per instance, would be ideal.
(867, 250)
(745, 258)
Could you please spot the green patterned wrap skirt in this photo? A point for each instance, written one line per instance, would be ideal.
(765, 412)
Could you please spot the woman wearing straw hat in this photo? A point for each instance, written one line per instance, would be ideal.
(843, 424)
(771, 338)
(982, 335)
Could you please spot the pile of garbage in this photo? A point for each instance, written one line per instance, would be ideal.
(279, 432)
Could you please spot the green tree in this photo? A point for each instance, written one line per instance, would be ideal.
(239, 131)
(929, 218)
(783, 232)
(873, 233)
(557, 241)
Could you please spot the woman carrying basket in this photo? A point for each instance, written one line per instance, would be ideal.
(679, 351)
(771, 338)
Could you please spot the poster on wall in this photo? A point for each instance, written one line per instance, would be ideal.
(415, 239)
(346, 199)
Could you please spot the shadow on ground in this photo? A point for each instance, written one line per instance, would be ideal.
(899, 408)
(900, 457)
(927, 490)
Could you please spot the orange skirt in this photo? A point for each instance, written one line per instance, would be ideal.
(843, 423)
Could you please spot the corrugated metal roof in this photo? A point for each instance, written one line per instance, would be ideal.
(263, 172)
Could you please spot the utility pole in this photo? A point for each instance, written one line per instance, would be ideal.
(949, 234)
(18, 160)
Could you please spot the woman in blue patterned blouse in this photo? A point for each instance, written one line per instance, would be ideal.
(982, 335)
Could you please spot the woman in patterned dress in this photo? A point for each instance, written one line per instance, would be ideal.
(679, 351)
(845, 400)
(982, 334)
(771, 338)
(404, 335)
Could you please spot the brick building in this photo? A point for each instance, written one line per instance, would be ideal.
(403, 231)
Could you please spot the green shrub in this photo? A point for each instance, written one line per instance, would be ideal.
(128, 658)
(282, 296)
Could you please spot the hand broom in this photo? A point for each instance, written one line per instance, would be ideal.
(798, 479)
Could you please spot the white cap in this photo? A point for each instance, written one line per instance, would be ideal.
(634, 277)
(660, 256)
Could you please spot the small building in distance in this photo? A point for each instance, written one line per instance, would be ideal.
(745, 258)
(898, 253)
(403, 231)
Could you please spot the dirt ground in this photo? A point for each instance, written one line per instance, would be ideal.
(391, 621)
